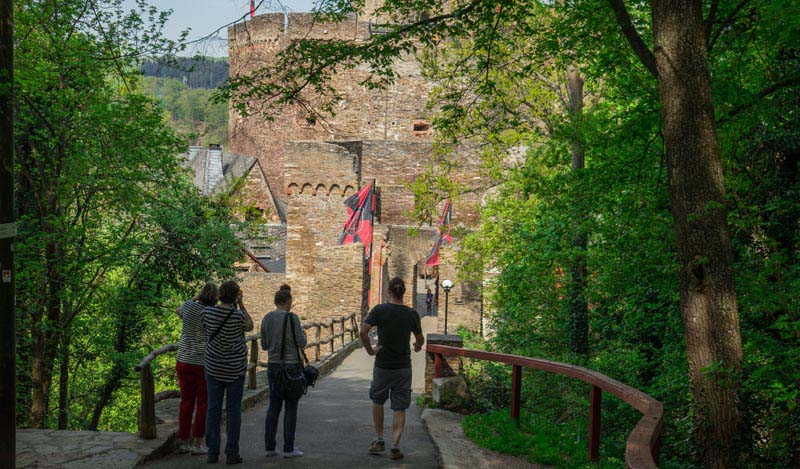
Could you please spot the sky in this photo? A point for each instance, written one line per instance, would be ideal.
(204, 17)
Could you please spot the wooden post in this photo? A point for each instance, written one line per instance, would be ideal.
(252, 382)
(343, 331)
(147, 413)
(516, 388)
(333, 336)
(8, 229)
(595, 402)
(319, 336)
(437, 365)
(655, 451)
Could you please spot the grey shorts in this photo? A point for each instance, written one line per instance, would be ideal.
(394, 384)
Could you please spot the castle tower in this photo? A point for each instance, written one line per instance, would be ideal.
(395, 114)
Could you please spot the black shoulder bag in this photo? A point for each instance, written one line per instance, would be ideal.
(289, 386)
(310, 372)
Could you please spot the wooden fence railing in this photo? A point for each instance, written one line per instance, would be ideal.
(147, 411)
(644, 441)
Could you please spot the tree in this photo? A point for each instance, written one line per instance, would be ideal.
(699, 208)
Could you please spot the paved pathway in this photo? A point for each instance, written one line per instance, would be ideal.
(80, 449)
(334, 425)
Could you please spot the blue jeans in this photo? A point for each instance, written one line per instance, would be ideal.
(274, 410)
(233, 414)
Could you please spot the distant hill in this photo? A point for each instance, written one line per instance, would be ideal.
(194, 72)
(189, 110)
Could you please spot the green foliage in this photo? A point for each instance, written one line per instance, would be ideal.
(189, 110)
(542, 441)
(112, 232)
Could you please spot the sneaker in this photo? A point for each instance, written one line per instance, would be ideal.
(272, 453)
(377, 446)
(296, 453)
(231, 460)
(184, 447)
(212, 459)
(199, 450)
(396, 454)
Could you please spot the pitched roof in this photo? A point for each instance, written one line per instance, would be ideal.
(214, 171)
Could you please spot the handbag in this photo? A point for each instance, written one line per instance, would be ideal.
(310, 372)
(289, 386)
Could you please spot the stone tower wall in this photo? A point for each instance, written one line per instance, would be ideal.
(361, 114)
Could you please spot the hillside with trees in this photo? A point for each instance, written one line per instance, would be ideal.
(195, 72)
(190, 111)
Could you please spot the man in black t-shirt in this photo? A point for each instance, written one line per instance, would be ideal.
(391, 376)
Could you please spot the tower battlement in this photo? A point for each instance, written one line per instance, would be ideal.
(279, 27)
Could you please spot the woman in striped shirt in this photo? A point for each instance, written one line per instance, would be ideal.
(226, 364)
(191, 370)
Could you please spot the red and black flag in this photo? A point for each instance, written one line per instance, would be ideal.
(252, 8)
(360, 210)
(444, 235)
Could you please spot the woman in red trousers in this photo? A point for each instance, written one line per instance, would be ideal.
(191, 371)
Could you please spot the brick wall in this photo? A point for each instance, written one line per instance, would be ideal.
(465, 297)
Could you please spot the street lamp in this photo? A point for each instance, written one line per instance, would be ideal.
(447, 285)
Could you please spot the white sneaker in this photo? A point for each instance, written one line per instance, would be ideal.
(199, 450)
(272, 453)
(184, 447)
(294, 454)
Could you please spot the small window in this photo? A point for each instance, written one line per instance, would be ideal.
(421, 126)
(311, 121)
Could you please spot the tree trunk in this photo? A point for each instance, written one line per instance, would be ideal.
(41, 375)
(576, 292)
(63, 381)
(697, 197)
(129, 331)
(46, 337)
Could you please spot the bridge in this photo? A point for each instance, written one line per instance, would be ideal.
(334, 419)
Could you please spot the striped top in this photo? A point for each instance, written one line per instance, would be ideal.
(192, 346)
(226, 355)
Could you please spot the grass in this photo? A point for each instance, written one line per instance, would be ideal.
(541, 440)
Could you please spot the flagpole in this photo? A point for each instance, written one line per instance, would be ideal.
(372, 226)
(371, 244)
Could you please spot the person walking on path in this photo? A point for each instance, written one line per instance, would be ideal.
(391, 374)
(190, 367)
(282, 336)
(226, 364)
(428, 302)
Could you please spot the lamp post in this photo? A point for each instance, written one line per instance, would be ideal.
(447, 285)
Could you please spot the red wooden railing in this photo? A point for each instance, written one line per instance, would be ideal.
(644, 441)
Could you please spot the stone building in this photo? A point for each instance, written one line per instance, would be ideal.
(311, 164)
